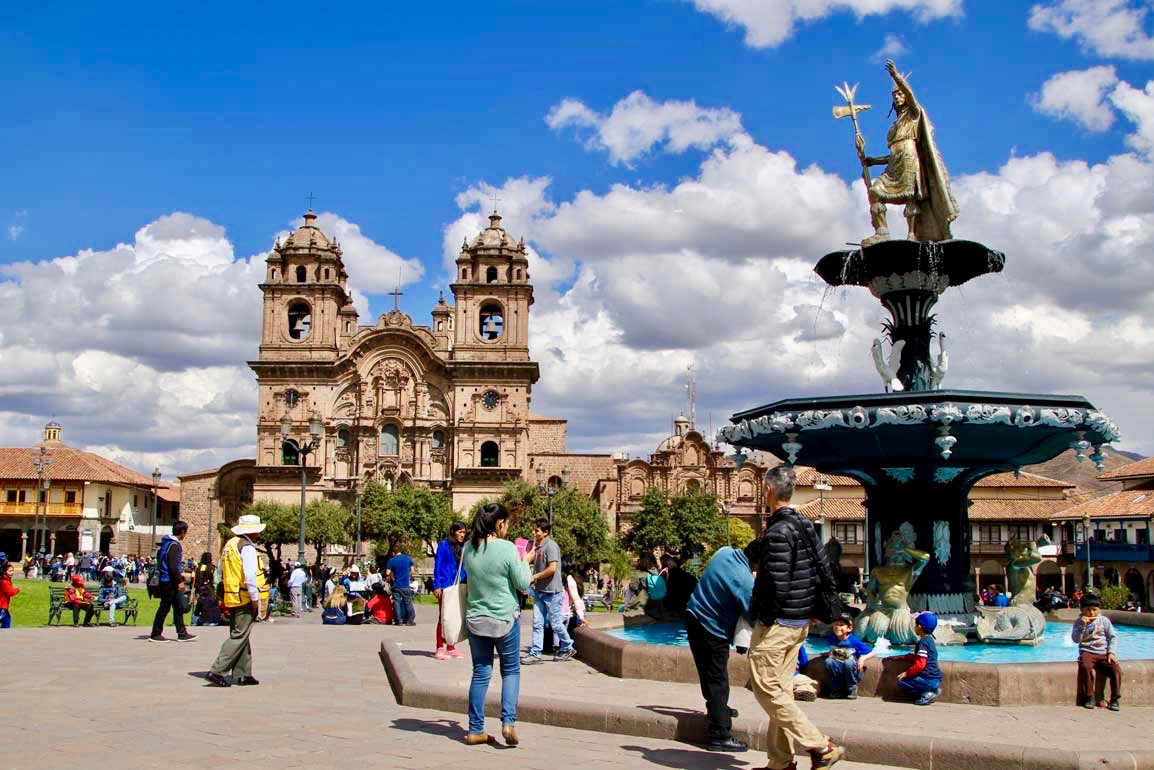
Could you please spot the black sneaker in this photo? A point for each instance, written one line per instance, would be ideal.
(161, 638)
(247, 681)
(1088, 703)
(564, 655)
(217, 680)
(730, 744)
(186, 637)
(1113, 705)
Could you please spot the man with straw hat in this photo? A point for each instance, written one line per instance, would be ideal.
(245, 595)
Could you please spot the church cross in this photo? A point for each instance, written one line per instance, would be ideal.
(396, 297)
(494, 197)
(311, 198)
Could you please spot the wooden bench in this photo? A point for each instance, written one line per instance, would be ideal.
(600, 599)
(129, 609)
(56, 607)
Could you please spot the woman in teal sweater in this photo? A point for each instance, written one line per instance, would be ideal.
(497, 575)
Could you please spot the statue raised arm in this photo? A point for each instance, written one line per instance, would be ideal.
(915, 175)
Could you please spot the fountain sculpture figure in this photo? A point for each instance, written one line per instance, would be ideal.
(917, 447)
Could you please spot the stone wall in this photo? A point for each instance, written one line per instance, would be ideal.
(585, 470)
(200, 513)
(546, 435)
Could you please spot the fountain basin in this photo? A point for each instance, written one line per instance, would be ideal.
(973, 683)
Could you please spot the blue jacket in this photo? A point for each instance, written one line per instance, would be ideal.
(109, 592)
(445, 566)
(169, 560)
(722, 595)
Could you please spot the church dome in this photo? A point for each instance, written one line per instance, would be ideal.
(681, 427)
(308, 236)
(495, 237)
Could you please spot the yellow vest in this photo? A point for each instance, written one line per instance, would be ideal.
(232, 577)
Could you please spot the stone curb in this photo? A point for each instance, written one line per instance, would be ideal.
(672, 723)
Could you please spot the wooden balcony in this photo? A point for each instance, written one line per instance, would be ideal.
(30, 509)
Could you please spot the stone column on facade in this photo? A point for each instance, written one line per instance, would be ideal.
(23, 544)
(52, 544)
(978, 580)
(1062, 570)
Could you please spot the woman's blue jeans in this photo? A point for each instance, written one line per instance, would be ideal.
(508, 649)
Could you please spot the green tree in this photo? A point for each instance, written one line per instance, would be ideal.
(327, 522)
(411, 519)
(620, 564)
(740, 534)
(282, 524)
(684, 524)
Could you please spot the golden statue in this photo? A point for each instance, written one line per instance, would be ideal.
(1022, 557)
(915, 174)
(887, 613)
(1021, 622)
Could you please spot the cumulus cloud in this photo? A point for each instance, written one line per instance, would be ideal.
(1113, 28)
(1080, 96)
(139, 350)
(1138, 106)
(637, 125)
(893, 47)
(769, 24)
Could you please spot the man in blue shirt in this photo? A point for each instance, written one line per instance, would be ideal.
(846, 659)
(400, 569)
(719, 600)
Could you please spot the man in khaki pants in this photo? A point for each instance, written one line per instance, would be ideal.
(245, 588)
(782, 604)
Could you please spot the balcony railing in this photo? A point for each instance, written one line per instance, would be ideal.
(1115, 552)
(30, 509)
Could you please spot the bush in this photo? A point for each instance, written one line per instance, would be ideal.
(1113, 597)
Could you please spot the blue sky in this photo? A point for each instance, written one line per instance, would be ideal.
(118, 115)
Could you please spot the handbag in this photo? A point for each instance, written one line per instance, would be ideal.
(827, 605)
(454, 602)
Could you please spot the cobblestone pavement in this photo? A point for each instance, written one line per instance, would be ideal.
(93, 697)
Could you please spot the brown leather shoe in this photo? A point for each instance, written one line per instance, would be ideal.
(479, 739)
(509, 733)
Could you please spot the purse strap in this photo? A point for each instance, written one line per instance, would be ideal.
(461, 563)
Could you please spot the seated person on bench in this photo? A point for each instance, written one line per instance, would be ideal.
(77, 598)
(111, 594)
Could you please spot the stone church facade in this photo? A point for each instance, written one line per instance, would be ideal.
(444, 405)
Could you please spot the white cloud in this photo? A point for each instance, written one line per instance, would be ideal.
(1114, 28)
(769, 24)
(1138, 106)
(893, 47)
(139, 350)
(16, 228)
(1080, 96)
(637, 125)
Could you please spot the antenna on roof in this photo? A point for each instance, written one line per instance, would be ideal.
(691, 390)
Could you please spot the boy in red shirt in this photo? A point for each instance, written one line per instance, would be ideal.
(77, 598)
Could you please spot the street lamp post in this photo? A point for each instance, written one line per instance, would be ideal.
(822, 486)
(357, 490)
(212, 496)
(304, 449)
(551, 490)
(1089, 568)
(41, 461)
(155, 487)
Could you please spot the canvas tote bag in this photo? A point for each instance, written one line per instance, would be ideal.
(454, 602)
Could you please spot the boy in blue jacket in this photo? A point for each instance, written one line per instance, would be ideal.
(846, 659)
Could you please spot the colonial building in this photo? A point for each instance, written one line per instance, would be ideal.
(683, 462)
(78, 501)
(444, 405)
(1110, 537)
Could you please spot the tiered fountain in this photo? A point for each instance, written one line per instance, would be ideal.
(916, 448)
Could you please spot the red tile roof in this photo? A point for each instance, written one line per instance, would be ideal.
(1130, 503)
(1134, 470)
(841, 509)
(807, 477)
(68, 464)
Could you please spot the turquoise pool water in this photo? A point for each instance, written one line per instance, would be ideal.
(1133, 643)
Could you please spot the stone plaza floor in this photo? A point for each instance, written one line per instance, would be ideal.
(75, 698)
(105, 697)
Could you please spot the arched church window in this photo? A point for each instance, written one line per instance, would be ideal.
(518, 274)
(636, 487)
(344, 438)
(290, 452)
(490, 454)
(390, 441)
(302, 274)
(555, 482)
(464, 273)
(492, 321)
(300, 320)
(491, 275)
(273, 275)
(745, 490)
(291, 398)
(438, 439)
(326, 273)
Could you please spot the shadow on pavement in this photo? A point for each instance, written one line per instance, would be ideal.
(446, 728)
(688, 758)
(418, 653)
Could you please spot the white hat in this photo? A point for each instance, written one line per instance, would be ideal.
(108, 569)
(248, 525)
(355, 569)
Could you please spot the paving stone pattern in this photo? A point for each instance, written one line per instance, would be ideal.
(95, 697)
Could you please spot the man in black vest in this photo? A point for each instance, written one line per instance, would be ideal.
(781, 608)
(171, 586)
